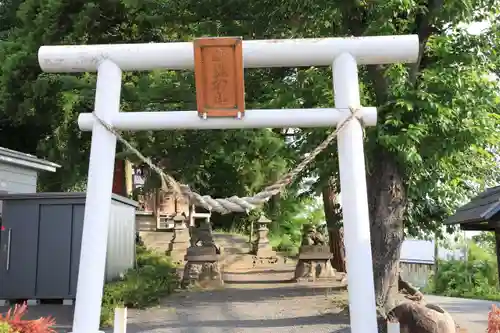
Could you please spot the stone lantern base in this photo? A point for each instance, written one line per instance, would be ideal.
(314, 263)
(202, 268)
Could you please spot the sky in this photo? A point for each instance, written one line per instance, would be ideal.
(478, 27)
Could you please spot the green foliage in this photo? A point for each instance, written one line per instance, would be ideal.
(153, 278)
(287, 234)
(486, 240)
(5, 327)
(438, 119)
(475, 278)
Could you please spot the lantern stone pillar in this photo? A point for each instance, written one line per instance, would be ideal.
(180, 239)
(262, 249)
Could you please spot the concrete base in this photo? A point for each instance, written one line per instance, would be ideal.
(314, 269)
(35, 302)
(68, 302)
(203, 274)
(202, 267)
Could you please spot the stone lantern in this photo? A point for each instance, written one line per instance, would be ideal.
(180, 239)
(262, 247)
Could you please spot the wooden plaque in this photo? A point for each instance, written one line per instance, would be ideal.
(218, 70)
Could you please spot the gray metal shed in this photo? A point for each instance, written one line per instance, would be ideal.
(40, 243)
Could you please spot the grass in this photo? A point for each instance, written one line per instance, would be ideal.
(144, 286)
(284, 244)
(5, 327)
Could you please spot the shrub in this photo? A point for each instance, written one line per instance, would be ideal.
(16, 324)
(475, 278)
(285, 243)
(153, 278)
(5, 327)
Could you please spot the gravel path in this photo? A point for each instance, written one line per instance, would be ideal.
(258, 301)
(245, 308)
(269, 304)
(471, 314)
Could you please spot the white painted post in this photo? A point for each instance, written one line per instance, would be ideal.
(393, 327)
(360, 285)
(98, 203)
(120, 322)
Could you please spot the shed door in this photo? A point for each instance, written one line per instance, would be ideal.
(54, 251)
(18, 252)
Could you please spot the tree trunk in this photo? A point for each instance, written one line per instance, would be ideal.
(335, 230)
(387, 204)
(336, 236)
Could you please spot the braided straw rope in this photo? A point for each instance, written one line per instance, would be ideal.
(233, 204)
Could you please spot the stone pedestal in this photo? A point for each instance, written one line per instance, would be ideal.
(180, 240)
(314, 263)
(202, 267)
(202, 259)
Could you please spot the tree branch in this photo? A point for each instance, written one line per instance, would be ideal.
(424, 30)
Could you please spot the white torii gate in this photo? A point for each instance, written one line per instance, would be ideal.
(343, 54)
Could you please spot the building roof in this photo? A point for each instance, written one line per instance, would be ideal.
(61, 195)
(10, 156)
(480, 212)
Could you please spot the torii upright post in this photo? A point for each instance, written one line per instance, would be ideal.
(344, 53)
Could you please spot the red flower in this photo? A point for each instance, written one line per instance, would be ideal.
(494, 319)
(14, 319)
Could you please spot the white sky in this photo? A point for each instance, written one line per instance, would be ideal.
(478, 27)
